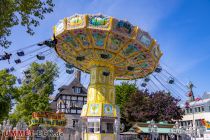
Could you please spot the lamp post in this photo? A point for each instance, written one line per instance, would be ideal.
(122, 127)
(5, 126)
(1, 130)
(202, 130)
(21, 125)
(192, 131)
(84, 125)
(177, 131)
(195, 132)
(153, 130)
(79, 129)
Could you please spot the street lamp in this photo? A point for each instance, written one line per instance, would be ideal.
(1, 130)
(192, 131)
(177, 131)
(195, 132)
(5, 126)
(153, 130)
(202, 130)
(122, 127)
(21, 125)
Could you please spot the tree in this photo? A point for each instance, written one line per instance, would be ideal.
(165, 107)
(159, 106)
(27, 13)
(123, 94)
(35, 95)
(139, 110)
(8, 91)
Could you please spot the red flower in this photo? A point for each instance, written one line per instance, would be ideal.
(187, 105)
(197, 99)
(189, 94)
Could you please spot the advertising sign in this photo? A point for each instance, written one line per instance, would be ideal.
(48, 118)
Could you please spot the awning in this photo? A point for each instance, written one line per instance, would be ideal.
(159, 130)
(129, 133)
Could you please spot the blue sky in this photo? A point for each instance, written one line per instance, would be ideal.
(180, 26)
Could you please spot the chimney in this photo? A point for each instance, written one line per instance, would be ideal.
(78, 75)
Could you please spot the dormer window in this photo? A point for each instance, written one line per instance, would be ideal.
(77, 89)
(60, 89)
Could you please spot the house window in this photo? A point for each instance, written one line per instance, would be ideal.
(64, 97)
(73, 111)
(199, 109)
(202, 108)
(77, 90)
(198, 122)
(93, 127)
(186, 111)
(110, 128)
(196, 109)
(68, 97)
(74, 98)
(78, 111)
(79, 104)
(68, 104)
(190, 110)
(107, 127)
(63, 106)
(73, 104)
(68, 110)
(80, 98)
(75, 122)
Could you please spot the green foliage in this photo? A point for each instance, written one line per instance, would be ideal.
(123, 93)
(35, 95)
(27, 13)
(7, 93)
(142, 106)
(165, 107)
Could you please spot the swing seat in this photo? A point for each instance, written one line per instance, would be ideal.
(17, 61)
(69, 71)
(20, 53)
(40, 57)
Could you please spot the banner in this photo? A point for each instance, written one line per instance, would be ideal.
(206, 124)
(48, 119)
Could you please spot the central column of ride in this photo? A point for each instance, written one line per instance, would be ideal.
(99, 115)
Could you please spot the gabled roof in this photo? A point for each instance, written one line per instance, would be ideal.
(162, 127)
(68, 89)
(199, 103)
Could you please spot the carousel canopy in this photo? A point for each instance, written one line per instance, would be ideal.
(84, 40)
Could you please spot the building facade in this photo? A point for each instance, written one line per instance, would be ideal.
(70, 100)
(196, 112)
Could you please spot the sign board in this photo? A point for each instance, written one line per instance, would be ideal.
(48, 118)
